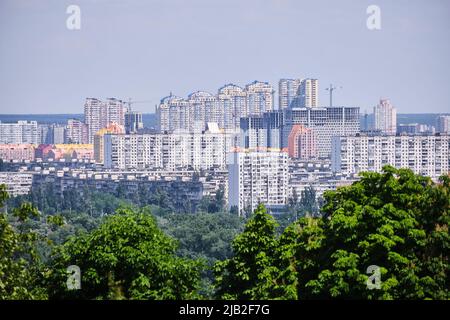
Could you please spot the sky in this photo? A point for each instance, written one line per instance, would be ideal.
(144, 50)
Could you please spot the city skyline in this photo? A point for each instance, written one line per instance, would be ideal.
(146, 50)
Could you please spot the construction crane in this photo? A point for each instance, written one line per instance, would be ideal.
(130, 102)
(331, 89)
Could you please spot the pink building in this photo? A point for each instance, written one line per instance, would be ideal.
(17, 152)
(302, 143)
(65, 151)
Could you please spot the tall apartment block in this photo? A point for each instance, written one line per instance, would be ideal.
(99, 140)
(20, 132)
(258, 177)
(261, 131)
(287, 91)
(176, 114)
(173, 114)
(99, 114)
(326, 123)
(308, 94)
(443, 124)
(232, 100)
(385, 117)
(59, 134)
(45, 134)
(424, 154)
(204, 108)
(77, 132)
(196, 150)
(260, 97)
(133, 121)
(302, 143)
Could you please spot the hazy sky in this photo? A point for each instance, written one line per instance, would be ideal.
(145, 49)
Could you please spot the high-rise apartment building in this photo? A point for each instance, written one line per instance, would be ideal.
(308, 94)
(326, 123)
(99, 114)
(302, 143)
(232, 100)
(424, 154)
(99, 140)
(195, 150)
(133, 121)
(443, 124)
(287, 91)
(261, 131)
(20, 132)
(173, 114)
(385, 117)
(204, 108)
(76, 132)
(58, 133)
(45, 134)
(260, 97)
(258, 177)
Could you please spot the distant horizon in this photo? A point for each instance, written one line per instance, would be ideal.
(54, 114)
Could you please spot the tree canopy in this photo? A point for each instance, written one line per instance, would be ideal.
(126, 257)
(394, 222)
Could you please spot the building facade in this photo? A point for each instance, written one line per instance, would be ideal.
(17, 152)
(302, 143)
(326, 122)
(99, 141)
(385, 117)
(443, 124)
(169, 151)
(133, 121)
(287, 91)
(261, 131)
(20, 132)
(77, 132)
(99, 114)
(260, 97)
(17, 183)
(308, 94)
(424, 154)
(232, 100)
(258, 177)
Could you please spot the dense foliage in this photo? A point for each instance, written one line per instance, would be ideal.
(126, 257)
(394, 223)
(20, 266)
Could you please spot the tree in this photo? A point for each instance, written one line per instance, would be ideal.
(308, 202)
(20, 265)
(250, 272)
(126, 257)
(219, 199)
(395, 221)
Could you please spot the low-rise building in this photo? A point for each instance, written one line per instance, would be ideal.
(17, 183)
(17, 152)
